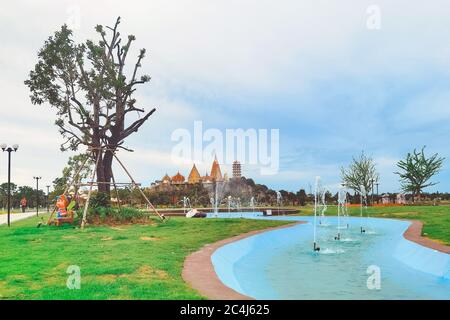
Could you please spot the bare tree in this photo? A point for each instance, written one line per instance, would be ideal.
(93, 97)
(361, 175)
(417, 170)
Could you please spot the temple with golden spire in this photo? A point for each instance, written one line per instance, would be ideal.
(194, 177)
(216, 174)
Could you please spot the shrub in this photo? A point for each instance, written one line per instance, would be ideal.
(100, 199)
(113, 215)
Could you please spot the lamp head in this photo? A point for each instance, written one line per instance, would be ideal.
(15, 147)
(3, 146)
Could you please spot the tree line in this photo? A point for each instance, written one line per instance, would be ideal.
(415, 172)
(18, 192)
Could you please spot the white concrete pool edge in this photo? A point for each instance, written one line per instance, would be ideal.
(422, 258)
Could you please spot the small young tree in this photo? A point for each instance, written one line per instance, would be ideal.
(70, 170)
(361, 174)
(417, 170)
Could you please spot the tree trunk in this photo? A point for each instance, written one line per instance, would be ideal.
(104, 172)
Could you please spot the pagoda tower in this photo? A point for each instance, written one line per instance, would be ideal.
(237, 170)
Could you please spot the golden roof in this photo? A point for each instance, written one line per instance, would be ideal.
(216, 174)
(194, 175)
(178, 178)
(166, 178)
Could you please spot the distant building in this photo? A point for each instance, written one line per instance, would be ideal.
(206, 178)
(237, 169)
(385, 199)
(401, 198)
(194, 177)
(166, 179)
(216, 174)
(178, 179)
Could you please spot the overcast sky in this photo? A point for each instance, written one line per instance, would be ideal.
(312, 69)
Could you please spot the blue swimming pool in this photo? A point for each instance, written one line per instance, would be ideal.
(281, 264)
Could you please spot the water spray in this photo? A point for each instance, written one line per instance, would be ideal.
(363, 203)
(316, 248)
(342, 209)
(279, 200)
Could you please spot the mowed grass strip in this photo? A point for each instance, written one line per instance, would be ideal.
(122, 262)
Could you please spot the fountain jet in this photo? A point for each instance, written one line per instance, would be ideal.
(186, 204)
(279, 201)
(363, 196)
(216, 192)
(316, 208)
(342, 210)
(252, 203)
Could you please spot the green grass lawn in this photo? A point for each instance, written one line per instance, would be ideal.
(138, 261)
(124, 262)
(436, 219)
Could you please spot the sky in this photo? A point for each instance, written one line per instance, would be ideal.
(334, 77)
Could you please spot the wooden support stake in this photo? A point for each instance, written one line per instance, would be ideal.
(86, 205)
(135, 184)
(117, 192)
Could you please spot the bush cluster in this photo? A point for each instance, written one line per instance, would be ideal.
(110, 214)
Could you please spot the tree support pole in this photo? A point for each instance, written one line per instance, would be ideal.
(86, 206)
(117, 192)
(135, 186)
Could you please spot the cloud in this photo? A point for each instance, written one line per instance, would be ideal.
(310, 68)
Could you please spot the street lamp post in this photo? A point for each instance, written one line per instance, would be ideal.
(37, 195)
(9, 150)
(373, 181)
(378, 198)
(48, 198)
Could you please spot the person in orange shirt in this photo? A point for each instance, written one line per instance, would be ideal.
(23, 204)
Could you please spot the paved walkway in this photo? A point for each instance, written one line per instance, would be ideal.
(15, 217)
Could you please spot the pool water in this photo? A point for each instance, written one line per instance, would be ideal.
(234, 214)
(281, 264)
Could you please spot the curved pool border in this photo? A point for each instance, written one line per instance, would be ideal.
(414, 234)
(198, 269)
